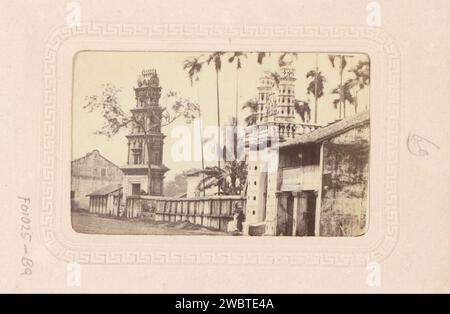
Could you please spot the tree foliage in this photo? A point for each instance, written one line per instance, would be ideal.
(303, 110)
(311, 89)
(231, 178)
(252, 106)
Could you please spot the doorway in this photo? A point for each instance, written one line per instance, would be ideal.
(310, 213)
(289, 214)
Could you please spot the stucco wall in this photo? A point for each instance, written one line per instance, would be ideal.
(90, 173)
(345, 184)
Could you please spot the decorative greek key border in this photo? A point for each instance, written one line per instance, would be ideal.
(167, 31)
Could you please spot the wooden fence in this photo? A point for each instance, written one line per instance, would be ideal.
(213, 212)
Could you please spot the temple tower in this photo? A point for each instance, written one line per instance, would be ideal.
(285, 112)
(145, 140)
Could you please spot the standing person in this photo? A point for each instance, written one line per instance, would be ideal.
(240, 217)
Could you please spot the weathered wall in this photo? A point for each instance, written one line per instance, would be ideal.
(345, 184)
(90, 173)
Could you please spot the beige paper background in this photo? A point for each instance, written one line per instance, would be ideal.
(409, 223)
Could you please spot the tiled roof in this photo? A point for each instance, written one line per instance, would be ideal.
(106, 190)
(95, 151)
(330, 130)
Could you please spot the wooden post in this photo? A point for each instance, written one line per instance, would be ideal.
(220, 213)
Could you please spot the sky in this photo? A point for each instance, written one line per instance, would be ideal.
(122, 69)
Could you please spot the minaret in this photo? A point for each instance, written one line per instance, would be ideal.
(286, 95)
(265, 97)
(145, 140)
(275, 122)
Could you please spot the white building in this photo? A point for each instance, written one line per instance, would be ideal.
(277, 121)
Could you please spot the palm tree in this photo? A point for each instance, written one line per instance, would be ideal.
(341, 67)
(252, 105)
(193, 67)
(261, 56)
(231, 178)
(303, 110)
(236, 56)
(275, 76)
(363, 70)
(345, 95)
(282, 58)
(216, 57)
(362, 78)
(315, 86)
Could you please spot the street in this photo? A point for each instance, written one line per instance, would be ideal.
(84, 222)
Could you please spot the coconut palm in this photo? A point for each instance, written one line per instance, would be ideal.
(236, 57)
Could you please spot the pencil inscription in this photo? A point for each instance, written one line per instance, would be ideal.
(25, 233)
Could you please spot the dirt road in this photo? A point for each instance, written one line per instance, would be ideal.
(89, 223)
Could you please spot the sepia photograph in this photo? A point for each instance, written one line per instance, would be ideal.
(220, 143)
(221, 154)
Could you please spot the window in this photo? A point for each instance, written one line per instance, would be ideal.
(72, 194)
(135, 188)
(103, 172)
